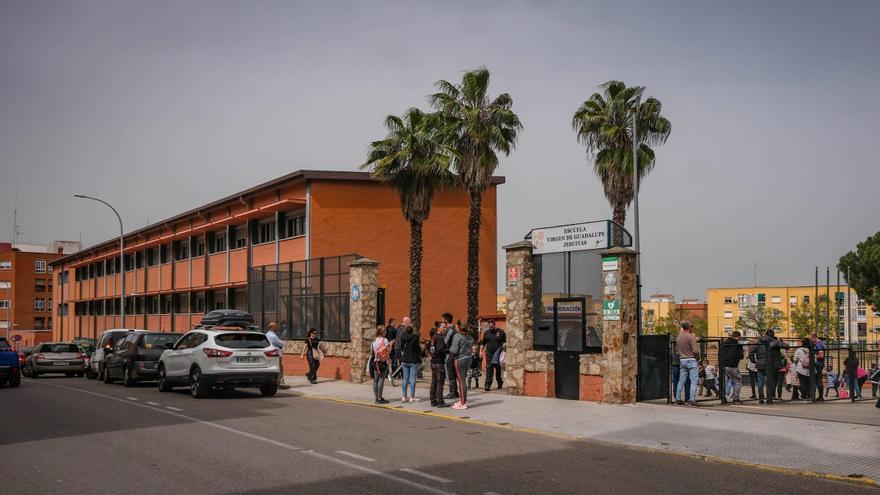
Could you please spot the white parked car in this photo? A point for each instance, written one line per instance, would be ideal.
(104, 345)
(208, 359)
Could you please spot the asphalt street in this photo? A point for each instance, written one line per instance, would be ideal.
(72, 435)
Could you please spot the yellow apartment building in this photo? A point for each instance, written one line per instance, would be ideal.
(859, 322)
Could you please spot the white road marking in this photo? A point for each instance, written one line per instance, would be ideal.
(356, 456)
(173, 408)
(152, 403)
(426, 475)
(132, 398)
(397, 479)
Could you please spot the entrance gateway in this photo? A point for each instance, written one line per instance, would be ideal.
(568, 301)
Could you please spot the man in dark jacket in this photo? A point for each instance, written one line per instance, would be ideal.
(438, 351)
(733, 354)
(768, 348)
(493, 340)
(450, 363)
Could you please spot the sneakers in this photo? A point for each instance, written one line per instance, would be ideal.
(459, 406)
(441, 404)
(414, 399)
(692, 403)
(679, 403)
(737, 402)
(381, 401)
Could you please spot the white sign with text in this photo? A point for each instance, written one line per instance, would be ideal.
(574, 237)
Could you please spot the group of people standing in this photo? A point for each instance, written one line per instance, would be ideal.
(768, 355)
(452, 351)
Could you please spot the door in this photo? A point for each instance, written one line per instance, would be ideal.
(569, 329)
(653, 379)
(176, 360)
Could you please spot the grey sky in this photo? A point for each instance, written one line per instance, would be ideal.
(161, 106)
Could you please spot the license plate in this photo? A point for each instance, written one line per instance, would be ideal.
(247, 359)
(61, 363)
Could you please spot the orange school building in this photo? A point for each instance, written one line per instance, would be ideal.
(179, 268)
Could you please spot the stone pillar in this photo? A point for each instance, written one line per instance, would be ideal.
(620, 319)
(520, 315)
(363, 306)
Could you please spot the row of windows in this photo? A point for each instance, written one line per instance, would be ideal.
(40, 266)
(292, 225)
(183, 302)
(41, 304)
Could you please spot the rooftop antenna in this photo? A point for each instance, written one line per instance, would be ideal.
(15, 226)
(756, 275)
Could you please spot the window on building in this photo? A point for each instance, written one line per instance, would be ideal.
(792, 300)
(775, 300)
(728, 314)
(40, 285)
(48, 305)
(39, 304)
(198, 246)
(265, 231)
(5, 265)
(199, 303)
(164, 253)
(39, 323)
(4, 304)
(152, 305)
(40, 266)
(5, 284)
(861, 309)
(139, 259)
(746, 300)
(165, 304)
(762, 299)
(153, 256)
(728, 329)
(49, 323)
(728, 300)
(181, 302)
(863, 330)
(240, 235)
(99, 307)
(99, 268)
(294, 224)
(182, 251)
(806, 299)
(218, 242)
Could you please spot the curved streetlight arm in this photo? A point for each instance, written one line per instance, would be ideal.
(121, 255)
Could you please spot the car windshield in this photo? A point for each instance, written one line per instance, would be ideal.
(59, 348)
(158, 340)
(242, 340)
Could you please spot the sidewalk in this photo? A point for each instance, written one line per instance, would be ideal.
(811, 445)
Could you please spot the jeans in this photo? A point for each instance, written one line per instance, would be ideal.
(492, 370)
(409, 378)
(314, 364)
(734, 380)
(855, 389)
(688, 370)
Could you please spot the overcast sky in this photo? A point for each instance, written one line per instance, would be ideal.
(162, 106)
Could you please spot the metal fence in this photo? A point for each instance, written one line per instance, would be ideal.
(300, 295)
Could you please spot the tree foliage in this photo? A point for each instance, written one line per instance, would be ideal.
(603, 124)
(481, 127)
(803, 318)
(671, 324)
(862, 269)
(756, 320)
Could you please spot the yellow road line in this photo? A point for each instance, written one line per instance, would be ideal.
(565, 436)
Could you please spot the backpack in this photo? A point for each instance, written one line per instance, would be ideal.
(382, 350)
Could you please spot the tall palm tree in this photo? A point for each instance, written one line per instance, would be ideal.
(413, 160)
(481, 127)
(604, 125)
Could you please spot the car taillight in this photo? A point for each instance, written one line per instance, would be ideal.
(216, 353)
(272, 353)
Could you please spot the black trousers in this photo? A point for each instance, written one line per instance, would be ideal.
(438, 377)
(493, 370)
(314, 364)
(753, 379)
(450, 375)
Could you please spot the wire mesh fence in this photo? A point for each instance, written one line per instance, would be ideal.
(300, 295)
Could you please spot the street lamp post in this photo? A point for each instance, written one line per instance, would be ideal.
(121, 256)
(635, 153)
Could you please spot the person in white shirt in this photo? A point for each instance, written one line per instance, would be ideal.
(277, 343)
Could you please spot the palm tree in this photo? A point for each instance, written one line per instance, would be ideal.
(604, 125)
(413, 160)
(480, 127)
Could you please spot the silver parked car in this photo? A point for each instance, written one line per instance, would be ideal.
(57, 357)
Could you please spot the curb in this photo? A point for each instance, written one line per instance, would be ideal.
(861, 481)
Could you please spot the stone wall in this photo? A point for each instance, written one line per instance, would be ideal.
(520, 314)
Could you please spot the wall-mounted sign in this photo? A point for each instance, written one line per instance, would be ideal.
(610, 279)
(609, 263)
(611, 310)
(355, 293)
(574, 237)
(512, 275)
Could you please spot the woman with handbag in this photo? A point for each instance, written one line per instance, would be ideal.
(380, 360)
(313, 352)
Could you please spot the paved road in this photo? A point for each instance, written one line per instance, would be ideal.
(71, 435)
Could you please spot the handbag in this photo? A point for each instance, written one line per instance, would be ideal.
(318, 354)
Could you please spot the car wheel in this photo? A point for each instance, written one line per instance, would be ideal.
(15, 380)
(269, 390)
(197, 387)
(127, 380)
(107, 377)
(26, 371)
(162, 382)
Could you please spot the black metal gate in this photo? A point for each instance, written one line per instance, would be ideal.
(300, 295)
(570, 326)
(653, 367)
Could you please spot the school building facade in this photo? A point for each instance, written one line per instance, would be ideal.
(178, 269)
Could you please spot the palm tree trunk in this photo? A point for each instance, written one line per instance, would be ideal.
(619, 216)
(473, 288)
(415, 274)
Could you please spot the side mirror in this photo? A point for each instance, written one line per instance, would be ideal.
(169, 345)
